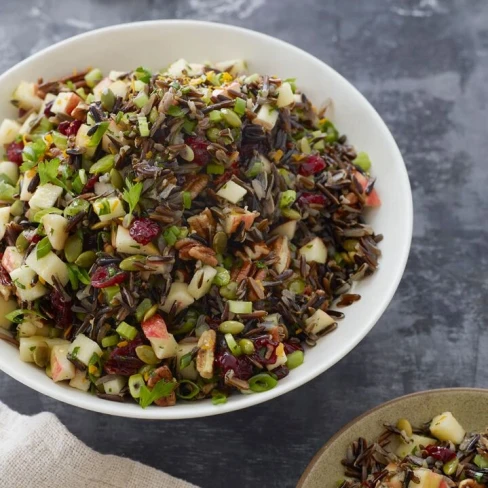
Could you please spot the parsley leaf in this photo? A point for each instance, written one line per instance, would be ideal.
(48, 173)
(32, 153)
(17, 316)
(132, 194)
(162, 389)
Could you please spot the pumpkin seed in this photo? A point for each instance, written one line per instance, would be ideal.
(133, 263)
(116, 179)
(219, 242)
(150, 312)
(231, 117)
(146, 355)
(21, 243)
(86, 259)
(231, 327)
(73, 248)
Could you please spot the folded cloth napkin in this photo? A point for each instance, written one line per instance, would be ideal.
(39, 452)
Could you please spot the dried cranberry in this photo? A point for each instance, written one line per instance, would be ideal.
(315, 199)
(240, 365)
(123, 360)
(144, 230)
(281, 372)
(35, 238)
(14, 152)
(263, 346)
(47, 110)
(443, 454)
(292, 347)
(90, 184)
(224, 178)
(61, 303)
(312, 165)
(107, 276)
(69, 128)
(199, 146)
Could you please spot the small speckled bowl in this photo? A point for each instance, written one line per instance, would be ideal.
(468, 405)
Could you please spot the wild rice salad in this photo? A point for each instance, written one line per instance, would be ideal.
(177, 234)
(439, 454)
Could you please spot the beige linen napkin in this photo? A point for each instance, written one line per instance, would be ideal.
(39, 452)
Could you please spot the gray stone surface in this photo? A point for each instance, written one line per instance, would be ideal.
(424, 65)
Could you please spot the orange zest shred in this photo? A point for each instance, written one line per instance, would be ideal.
(122, 344)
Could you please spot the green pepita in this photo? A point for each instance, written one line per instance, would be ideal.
(116, 179)
(146, 355)
(73, 248)
(219, 242)
(86, 259)
(231, 117)
(21, 243)
(150, 312)
(231, 327)
(133, 263)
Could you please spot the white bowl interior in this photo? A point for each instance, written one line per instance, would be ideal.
(155, 45)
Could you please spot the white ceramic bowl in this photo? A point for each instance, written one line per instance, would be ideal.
(155, 45)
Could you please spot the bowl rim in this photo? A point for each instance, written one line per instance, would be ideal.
(207, 409)
(359, 418)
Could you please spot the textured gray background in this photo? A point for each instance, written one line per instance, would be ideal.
(424, 66)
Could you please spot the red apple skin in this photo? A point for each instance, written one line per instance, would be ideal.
(155, 328)
(8, 261)
(372, 200)
(73, 102)
(247, 218)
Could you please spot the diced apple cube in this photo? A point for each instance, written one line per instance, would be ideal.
(188, 372)
(282, 250)
(233, 219)
(25, 194)
(83, 348)
(10, 170)
(108, 208)
(201, 282)
(119, 88)
(232, 192)
(6, 306)
(318, 322)
(177, 68)
(406, 448)
(30, 328)
(12, 258)
(162, 342)
(56, 341)
(48, 266)
(83, 140)
(267, 117)
(65, 103)
(4, 219)
(287, 229)
(280, 357)
(125, 244)
(114, 385)
(233, 66)
(50, 97)
(9, 130)
(446, 428)
(26, 96)
(61, 367)
(285, 95)
(27, 346)
(178, 293)
(116, 132)
(103, 188)
(27, 125)
(314, 251)
(55, 226)
(102, 85)
(114, 75)
(428, 479)
(45, 196)
(80, 381)
(266, 163)
(372, 200)
(23, 278)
